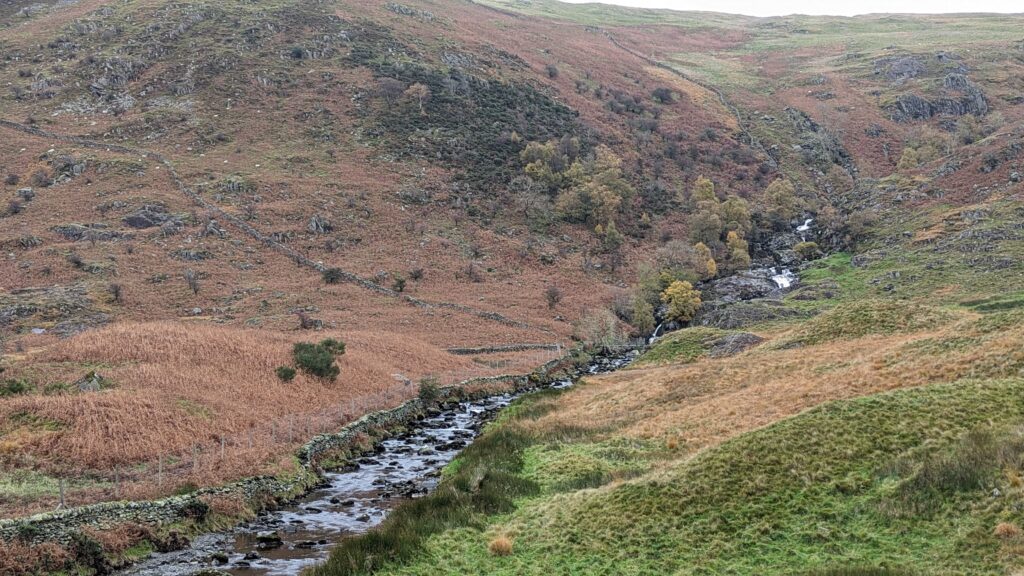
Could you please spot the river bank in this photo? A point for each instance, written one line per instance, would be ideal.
(167, 524)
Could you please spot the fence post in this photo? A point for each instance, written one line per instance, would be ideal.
(222, 448)
(61, 485)
(160, 470)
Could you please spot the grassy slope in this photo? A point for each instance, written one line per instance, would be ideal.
(779, 500)
(797, 456)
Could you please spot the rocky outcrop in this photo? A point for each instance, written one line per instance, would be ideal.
(733, 344)
(742, 314)
(819, 146)
(147, 216)
(747, 285)
(961, 97)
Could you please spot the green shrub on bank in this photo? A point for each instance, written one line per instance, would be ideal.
(319, 359)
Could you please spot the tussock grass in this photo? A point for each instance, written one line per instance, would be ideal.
(861, 318)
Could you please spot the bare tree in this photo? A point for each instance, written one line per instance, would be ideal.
(390, 89)
(420, 93)
(192, 279)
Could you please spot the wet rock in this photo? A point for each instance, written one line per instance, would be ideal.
(363, 518)
(733, 344)
(215, 572)
(26, 194)
(219, 557)
(268, 539)
(251, 556)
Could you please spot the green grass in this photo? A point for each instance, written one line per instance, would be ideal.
(680, 347)
(863, 317)
(808, 495)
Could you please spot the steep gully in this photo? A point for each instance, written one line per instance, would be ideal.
(351, 502)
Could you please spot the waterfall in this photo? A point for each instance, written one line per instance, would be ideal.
(653, 336)
(803, 228)
(782, 279)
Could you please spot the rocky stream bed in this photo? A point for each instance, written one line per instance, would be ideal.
(350, 501)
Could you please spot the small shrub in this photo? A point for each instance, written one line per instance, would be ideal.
(807, 250)
(89, 553)
(14, 207)
(552, 71)
(500, 546)
(285, 373)
(429, 391)
(12, 387)
(196, 509)
(333, 275)
(319, 359)
(416, 274)
(12, 180)
(185, 489)
(192, 280)
(553, 296)
(399, 284)
(116, 292)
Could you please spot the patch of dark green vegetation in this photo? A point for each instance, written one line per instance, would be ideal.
(318, 359)
(477, 126)
(976, 463)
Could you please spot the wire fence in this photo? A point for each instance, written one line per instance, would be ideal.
(241, 453)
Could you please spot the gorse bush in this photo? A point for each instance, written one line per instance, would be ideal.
(319, 359)
(12, 387)
(429, 391)
(285, 373)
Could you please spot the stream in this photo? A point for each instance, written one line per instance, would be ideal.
(351, 501)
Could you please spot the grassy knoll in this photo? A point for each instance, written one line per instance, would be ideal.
(681, 347)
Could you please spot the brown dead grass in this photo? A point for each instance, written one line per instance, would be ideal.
(202, 399)
(702, 404)
(19, 559)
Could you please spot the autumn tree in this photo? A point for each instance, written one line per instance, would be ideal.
(643, 315)
(738, 251)
(598, 189)
(780, 201)
(706, 265)
(683, 300)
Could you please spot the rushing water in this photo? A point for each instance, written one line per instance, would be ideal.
(351, 501)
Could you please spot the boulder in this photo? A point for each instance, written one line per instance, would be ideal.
(733, 344)
(268, 539)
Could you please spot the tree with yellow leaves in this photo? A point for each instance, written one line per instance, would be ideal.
(683, 300)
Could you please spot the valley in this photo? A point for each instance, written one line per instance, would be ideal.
(237, 232)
